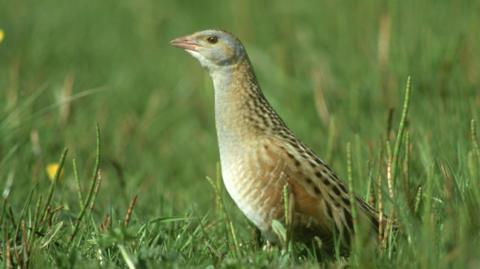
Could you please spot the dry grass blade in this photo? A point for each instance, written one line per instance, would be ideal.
(383, 41)
(26, 248)
(389, 176)
(8, 257)
(66, 94)
(133, 202)
(320, 102)
(106, 223)
(476, 147)
(383, 51)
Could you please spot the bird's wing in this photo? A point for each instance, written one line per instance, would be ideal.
(317, 190)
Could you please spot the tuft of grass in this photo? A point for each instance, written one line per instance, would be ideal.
(89, 202)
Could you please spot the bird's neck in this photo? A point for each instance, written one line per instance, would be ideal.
(235, 87)
(241, 110)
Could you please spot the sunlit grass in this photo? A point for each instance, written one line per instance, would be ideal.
(134, 194)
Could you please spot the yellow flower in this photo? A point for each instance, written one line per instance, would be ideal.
(52, 171)
(2, 35)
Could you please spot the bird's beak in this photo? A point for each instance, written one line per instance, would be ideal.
(185, 42)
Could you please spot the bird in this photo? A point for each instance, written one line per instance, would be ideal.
(260, 156)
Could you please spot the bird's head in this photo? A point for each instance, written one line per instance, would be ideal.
(214, 49)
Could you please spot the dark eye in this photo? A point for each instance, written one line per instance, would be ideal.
(212, 39)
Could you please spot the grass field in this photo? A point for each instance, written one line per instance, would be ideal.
(336, 71)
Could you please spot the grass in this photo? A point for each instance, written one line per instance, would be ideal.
(134, 195)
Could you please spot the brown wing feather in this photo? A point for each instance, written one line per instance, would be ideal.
(321, 198)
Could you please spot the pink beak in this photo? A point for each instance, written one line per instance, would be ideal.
(184, 42)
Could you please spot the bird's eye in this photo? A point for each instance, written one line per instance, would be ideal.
(212, 39)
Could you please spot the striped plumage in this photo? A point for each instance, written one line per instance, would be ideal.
(259, 154)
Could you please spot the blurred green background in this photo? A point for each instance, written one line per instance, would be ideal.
(334, 70)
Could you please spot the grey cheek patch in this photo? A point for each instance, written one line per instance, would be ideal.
(230, 60)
